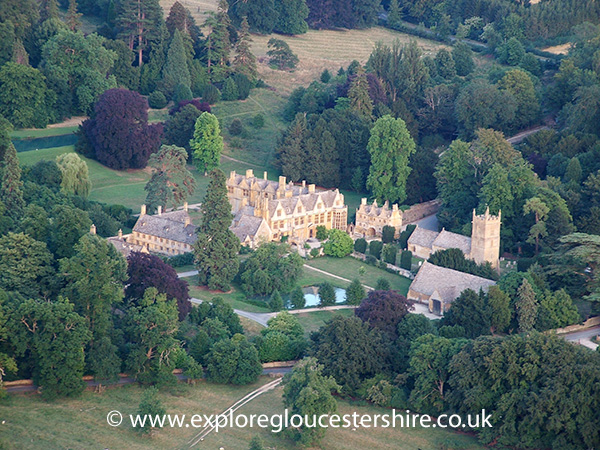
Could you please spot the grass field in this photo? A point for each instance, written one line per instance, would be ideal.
(349, 268)
(80, 423)
(32, 133)
(312, 321)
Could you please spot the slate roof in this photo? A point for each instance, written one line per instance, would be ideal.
(261, 184)
(308, 201)
(448, 283)
(124, 247)
(446, 240)
(422, 237)
(167, 226)
(374, 210)
(246, 226)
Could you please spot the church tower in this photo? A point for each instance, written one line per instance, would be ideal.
(485, 238)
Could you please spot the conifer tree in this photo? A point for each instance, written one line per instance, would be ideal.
(73, 17)
(292, 150)
(245, 61)
(355, 293)
(11, 186)
(394, 16)
(216, 248)
(527, 307)
(176, 68)
(360, 102)
(218, 42)
(48, 10)
(207, 143)
(292, 17)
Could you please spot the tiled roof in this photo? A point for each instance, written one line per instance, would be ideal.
(446, 240)
(247, 226)
(446, 283)
(168, 226)
(422, 237)
(124, 247)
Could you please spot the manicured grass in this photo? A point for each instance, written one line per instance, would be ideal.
(314, 278)
(235, 298)
(349, 268)
(312, 321)
(31, 133)
(251, 328)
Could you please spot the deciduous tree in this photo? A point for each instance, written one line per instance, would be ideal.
(207, 142)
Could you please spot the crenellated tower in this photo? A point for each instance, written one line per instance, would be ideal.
(485, 238)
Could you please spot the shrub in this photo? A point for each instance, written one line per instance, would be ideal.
(243, 85)
(339, 244)
(276, 302)
(230, 90)
(375, 248)
(195, 102)
(403, 239)
(182, 93)
(371, 260)
(406, 260)
(389, 253)
(236, 128)
(360, 245)
(382, 285)
(355, 293)
(325, 76)
(315, 252)
(258, 121)
(326, 294)
(211, 94)
(322, 233)
(157, 100)
(387, 234)
(297, 299)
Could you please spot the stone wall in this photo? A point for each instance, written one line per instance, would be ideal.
(420, 210)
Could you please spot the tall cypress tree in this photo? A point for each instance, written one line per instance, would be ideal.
(11, 185)
(216, 248)
(176, 68)
(291, 153)
(73, 17)
(394, 15)
(292, 17)
(527, 307)
(245, 61)
(360, 102)
(218, 42)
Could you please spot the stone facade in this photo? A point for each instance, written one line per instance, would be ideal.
(370, 219)
(483, 245)
(267, 210)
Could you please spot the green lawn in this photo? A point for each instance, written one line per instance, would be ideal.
(235, 298)
(349, 268)
(80, 423)
(312, 321)
(31, 133)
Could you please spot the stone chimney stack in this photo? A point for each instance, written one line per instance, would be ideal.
(185, 206)
(363, 201)
(186, 221)
(120, 234)
(93, 229)
(159, 210)
(249, 173)
(281, 182)
(311, 188)
(143, 210)
(303, 184)
(265, 175)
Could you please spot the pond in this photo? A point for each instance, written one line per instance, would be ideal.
(312, 298)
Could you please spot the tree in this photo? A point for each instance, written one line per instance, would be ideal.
(527, 307)
(360, 245)
(276, 302)
(25, 100)
(75, 178)
(326, 294)
(26, 265)
(53, 337)
(171, 182)
(463, 59)
(175, 71)
(11, 186)
(244, 61)
(384, 310)
(77, 68)
(68, 225)
(382, 284)
(387, 234)
(511, 52)
(218, 42)
(216, 248)
(233, 361)
(292, 16)
(138, 23)
(394, 17)
(118, 131)
(360, 102)
(389, 253)
(271, 267)
(179, 128)
(256, 443)
(390, 146)
(350, 351)
(499, 309)
(230, 91)
(150, 327)
(73, 17)
(519, 84)
(430, 358)
(406, 260)
(94, 277)
(150, 407)
(280, 54)
(146, 271)
(538, 230)
(207, 142)
(297, 298)
(217, 309)
(339, 244)
(445, 65)
(470, 311)
(355, 293)
(375, 248)
(307, 392)
(180, 18)
(282, 340)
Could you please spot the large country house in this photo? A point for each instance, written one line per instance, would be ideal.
(267, 210)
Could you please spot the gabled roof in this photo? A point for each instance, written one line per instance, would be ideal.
(422, 237)
(167, 226)
(447, 240)
(248, 226)
(124, 247)
(446, 284)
